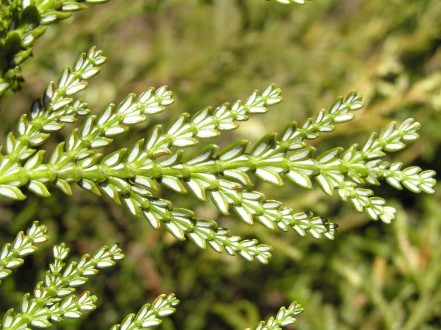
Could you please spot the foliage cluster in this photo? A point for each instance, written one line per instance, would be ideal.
(245, 41)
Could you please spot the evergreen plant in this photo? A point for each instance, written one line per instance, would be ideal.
(134, 176)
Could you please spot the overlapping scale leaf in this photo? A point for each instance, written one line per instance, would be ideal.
(330, 175)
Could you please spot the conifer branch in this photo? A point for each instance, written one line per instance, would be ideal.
(150, 314)
(207, 124)
(284, 317)
(54, 298)
(183, 223)
(11, 254)
(131, 177)
(22, 23)
(55, 108)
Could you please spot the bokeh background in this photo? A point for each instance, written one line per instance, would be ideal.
(372, 276)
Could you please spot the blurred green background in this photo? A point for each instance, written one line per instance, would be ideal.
(373, 276)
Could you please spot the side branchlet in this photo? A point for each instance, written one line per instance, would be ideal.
(11, 254)
(285, 316)
(55, 299)
(21, 24)
(149, 315)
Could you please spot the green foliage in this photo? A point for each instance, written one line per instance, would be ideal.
(135, 172)
(131, 176)
(22, 23)
(285, 316)
(54, 299)
(23, 245)
(150, 314)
